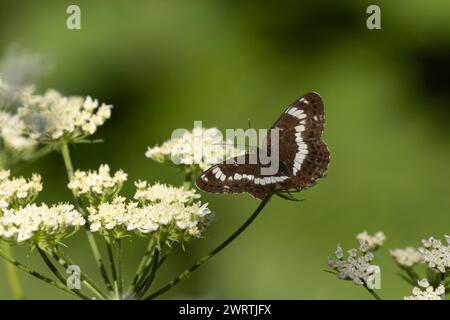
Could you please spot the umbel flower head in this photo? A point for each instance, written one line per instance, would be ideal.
(200, 148)
(435, 254)
(374, 241)
(12, 132)
(53, 116)
(39, 224)
(18, 192)
(406, 258)
(425, 291)
(164, 212)
(95, 186)
(355, 267)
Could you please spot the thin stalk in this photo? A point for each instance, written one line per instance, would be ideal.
(120, 268)
(65, 151)
(12, 275)
(412, 275)
(140, 270)
(58, 275)
(148, 282)
(373, 293)
(35, 274)
(99, 260)
(113, 267)
(230, 239)
(147, 271)
(64, 261)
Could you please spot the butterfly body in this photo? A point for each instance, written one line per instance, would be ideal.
(302, 156)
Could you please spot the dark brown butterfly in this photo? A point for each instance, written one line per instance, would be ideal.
(303, 156)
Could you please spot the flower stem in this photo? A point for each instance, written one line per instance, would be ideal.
(120, 268)
(67, 160)
(35, 274)
(58, 275)
(65, 151)
(373, 293)
(65, 261)
(113, 267)
(189, 271)
(141, 268)
(148, 282)
(13, 277)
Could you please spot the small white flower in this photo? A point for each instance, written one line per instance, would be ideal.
(97, 185)
(163, 211)
(19, 191)
(163, 193)
(12, 132)
(374, 241)
(39, 223)
(407, 257)
(51, 116)
(426, 292)
(202, 147)
(355, 268)
(435, 254)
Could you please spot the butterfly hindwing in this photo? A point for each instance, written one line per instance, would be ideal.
(238, 176)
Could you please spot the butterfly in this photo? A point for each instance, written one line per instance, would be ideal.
(303, 156)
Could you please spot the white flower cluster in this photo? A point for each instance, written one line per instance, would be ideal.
(374, 241)
(12, 132)
(355, 267)
(435, 254)
(426, 292)
(202, 147)
(168, 213)
(52, 116)
(97, 185)
(407, 257)
(163, 193)
(40, 224)
(16, 192)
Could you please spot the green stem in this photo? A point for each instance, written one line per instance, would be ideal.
(189, 271)
(149, 280)
(113, 267)
(35, 274)
(65, 151)
(120, 268)
(58, 275)
(67, 160)
(13, 277)
(187, 183)
(412, 275)
(373, 293)
(142, 265)
(65, 261)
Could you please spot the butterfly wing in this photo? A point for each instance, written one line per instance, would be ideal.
(303, 156)
(237, 176)
(301, 149)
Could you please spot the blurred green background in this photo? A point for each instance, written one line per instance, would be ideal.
(164, 64)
